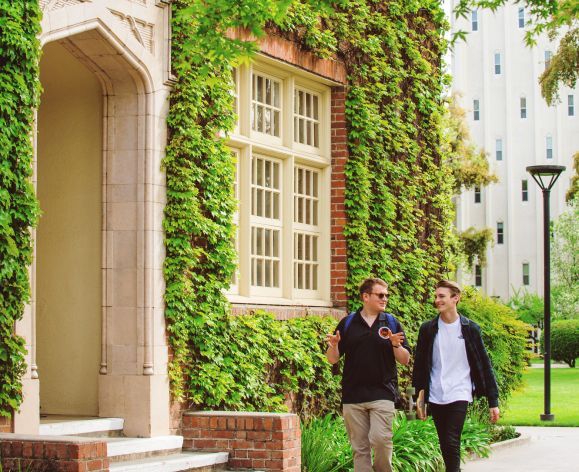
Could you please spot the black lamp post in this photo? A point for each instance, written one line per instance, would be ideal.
(546, 176)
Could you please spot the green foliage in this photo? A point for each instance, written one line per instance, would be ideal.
(504, 337)
(473, 245)
(528, 306)
(325, 445)
(573, 192)
(565, 263)
(500, 433)
(564, 341)
(398, 217)
(19, 91)
(563, 68)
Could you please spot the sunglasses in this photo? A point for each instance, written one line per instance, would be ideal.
(381, 296)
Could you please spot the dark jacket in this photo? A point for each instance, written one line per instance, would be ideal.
(481, 371)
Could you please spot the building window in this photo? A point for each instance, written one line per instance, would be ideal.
(474, 20)
(571, 105)
(526, 274)
(477, 275)
(521, 17)
(476, 110)
(500, 232)
(306, 118)
(282, 145)
(477, 195)
(525, 190)
(549, 147)
(548, 56)
(497, 63)
(499, 149)
(266, 105)
(523, 106)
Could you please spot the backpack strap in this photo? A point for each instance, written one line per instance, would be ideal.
(387, 319)
(348, 321)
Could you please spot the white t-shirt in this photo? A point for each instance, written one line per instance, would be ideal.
(450, 379)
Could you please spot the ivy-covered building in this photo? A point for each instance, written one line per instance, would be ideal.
(178, 181)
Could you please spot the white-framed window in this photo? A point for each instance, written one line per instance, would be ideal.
(500, 232)
(476, 109)
(477, 275)
(549, 147)
(235, 276)
(497, 63)
(525, 190)
(474, 20)
(477, 194)
(570, 105)
(523, 107)
(283, 186)
(521, 17)
(548, 57)
(499, 149)
(235, 93)
(526, 273)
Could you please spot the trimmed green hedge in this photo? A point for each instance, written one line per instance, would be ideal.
(564, 341)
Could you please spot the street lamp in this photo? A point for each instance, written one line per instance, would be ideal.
(546, 176)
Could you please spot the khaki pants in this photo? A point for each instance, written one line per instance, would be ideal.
(369, 426)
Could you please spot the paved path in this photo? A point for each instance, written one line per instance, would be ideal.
(551, 449)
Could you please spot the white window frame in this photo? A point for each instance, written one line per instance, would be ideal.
(499, 154)
(526, 266)
(524, 190)
(570, 105)
(474, 20)
(290, 155)
(521, 17)
(476, 109)
(477, 195)
(549, 154)
(500, 232)
(523, 107)
(498, 64)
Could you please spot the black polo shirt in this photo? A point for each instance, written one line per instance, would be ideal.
(370, 366)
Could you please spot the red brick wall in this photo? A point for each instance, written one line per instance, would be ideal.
(28, 453)
(264, 441)
(338, 210)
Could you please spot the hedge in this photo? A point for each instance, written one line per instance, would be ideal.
(564, 341)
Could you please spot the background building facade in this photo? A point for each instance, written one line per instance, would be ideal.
(496, 75)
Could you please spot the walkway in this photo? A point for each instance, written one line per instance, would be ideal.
(551, 449)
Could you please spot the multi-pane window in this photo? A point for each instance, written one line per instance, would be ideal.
(477, 195)
(474, 20)
(548, 57)
(549, 147)
(476, 110)
(570, 105)
(497, 63)
(525, 190)
(306, 118)
(523, 107)
(266, 105)
(499, 149)
(477, 275)
(500, 232)
(526, 274)
(266, 222)
(306, 229)
(235, 275)
(521, 17)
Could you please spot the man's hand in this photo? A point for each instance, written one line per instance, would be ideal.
(333, 339)
(494, 414)
(397, 339)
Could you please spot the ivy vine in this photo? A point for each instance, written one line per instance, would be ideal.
(19, 93)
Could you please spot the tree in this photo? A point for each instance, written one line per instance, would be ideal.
(529, 306)
(565, 263)
(573, 191)
(552, 17)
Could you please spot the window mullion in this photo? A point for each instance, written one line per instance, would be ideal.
(287, 269)
(244, 231)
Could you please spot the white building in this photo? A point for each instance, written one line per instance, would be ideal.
(497, 75)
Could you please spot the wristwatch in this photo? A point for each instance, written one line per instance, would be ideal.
(395, 347)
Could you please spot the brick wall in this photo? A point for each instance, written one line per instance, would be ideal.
(264, 441)
(339, 135)
(30, 453)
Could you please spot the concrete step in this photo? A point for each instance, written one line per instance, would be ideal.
(94, 427)
(175, 462)
(130, 449)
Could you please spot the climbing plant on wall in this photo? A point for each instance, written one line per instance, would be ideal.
(397, 194)
(19, 87)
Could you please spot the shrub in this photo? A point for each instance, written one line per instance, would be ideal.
(504, 337)
(325, 445)
(564, 341)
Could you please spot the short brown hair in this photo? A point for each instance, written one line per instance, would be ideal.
(368, 284)
(449, 284)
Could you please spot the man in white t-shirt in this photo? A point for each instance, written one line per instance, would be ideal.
(452, 366)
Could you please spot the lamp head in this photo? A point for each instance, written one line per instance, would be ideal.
(546, 175)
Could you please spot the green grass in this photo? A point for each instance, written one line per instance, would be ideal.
(526, 405)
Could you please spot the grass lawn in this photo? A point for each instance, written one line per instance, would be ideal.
(526, 405)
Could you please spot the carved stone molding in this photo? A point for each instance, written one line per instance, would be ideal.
(141, 30)
(49, 5)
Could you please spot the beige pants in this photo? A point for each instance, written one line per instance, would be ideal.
(369, 426)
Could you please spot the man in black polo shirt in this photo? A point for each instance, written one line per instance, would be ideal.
(369, 378)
